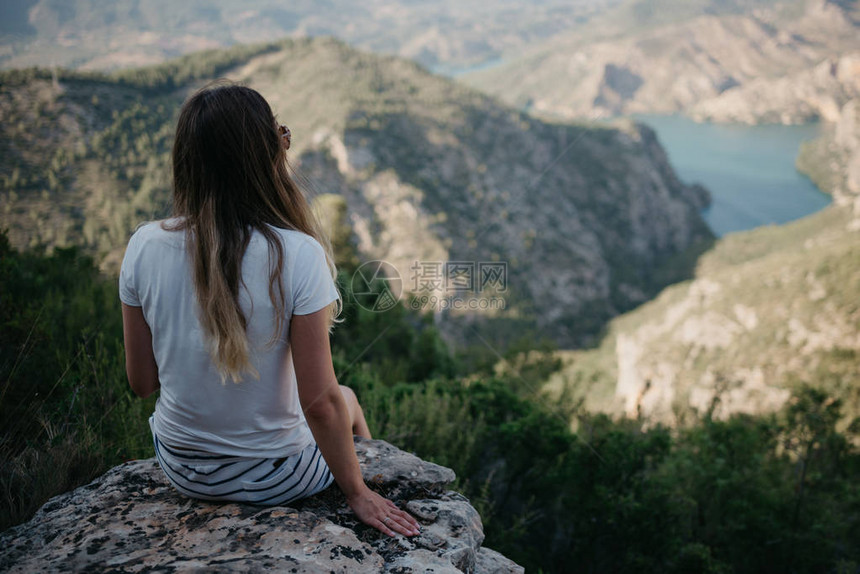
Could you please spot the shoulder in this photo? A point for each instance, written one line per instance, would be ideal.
(152, 242)
(299, 242)
(145, 230)
(155, 231)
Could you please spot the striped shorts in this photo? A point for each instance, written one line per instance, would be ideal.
(263, 481)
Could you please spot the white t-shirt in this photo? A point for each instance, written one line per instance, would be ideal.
(195, 410)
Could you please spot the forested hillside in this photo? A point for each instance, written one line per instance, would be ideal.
(750, 494)
(586, 217)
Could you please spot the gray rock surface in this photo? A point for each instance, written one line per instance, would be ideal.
(130, 520)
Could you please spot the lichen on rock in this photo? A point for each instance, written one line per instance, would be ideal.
(130, 519)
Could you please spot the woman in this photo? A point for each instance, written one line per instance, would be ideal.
(237, 285)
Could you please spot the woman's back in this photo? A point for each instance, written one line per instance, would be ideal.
(224, 291)
(197, 410)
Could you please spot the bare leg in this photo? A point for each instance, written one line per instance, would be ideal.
(356, 415)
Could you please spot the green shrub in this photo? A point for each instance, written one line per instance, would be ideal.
(773, 493)
(66, 412)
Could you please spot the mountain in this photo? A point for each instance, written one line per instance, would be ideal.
(677, 64)
(814, 94)
(767, 310)
(109, 34)
(590, 220)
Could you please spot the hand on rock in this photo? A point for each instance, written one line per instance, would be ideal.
(379, 512)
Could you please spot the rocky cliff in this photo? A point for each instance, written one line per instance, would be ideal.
(580, 214)
(131, 520)
(431, 171)
(769, 309)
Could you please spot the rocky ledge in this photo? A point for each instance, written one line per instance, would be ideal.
(131, 520)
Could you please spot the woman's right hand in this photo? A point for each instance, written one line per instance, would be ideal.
(379, 512)
(330, 422)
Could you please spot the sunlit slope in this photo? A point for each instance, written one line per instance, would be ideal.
(586, 217)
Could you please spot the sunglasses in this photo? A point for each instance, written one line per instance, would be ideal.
(284, 132)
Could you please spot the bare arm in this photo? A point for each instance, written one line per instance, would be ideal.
(327, 415)
(140, 363)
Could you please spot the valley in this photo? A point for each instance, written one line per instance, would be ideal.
(672, 383)
(585, 215)
(767, 310)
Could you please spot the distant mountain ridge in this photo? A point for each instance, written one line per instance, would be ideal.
(817, 93)
(735, 65)
(585, 216)
(111, 34)
(720, 60)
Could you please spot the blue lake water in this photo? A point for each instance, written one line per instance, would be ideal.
(749, 170)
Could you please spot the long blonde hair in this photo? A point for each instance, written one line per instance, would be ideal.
(231, 177)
